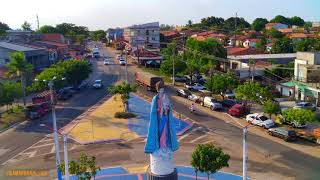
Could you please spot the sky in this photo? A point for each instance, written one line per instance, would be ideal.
(103, 14)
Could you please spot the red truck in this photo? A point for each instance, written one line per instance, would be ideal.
(41, 104)
(147, 80)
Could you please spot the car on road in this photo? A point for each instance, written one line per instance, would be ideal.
(305, 105)
(122, 61)
(286, 134)
(180, 79)
(64, 94)
(35, 111)
(193, 97)
(228, 103)
(260, 120)
(97, 84)
(237, 110)
(211, 103)
(106, 61)
(195, 86)
(183, 93)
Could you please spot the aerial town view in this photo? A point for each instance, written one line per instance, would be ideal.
(160, 90)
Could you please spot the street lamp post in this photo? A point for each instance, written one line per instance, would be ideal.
(244, 153)
(66, 161)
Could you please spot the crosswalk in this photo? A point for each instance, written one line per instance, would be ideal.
(43, 147)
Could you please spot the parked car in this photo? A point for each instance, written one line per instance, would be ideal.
(106, 61)
(229, 95)
(294, 124)
(180, 79)
(64, 94)
(211, 103)
(237, 110)
(83, 85)
(122, 61)
(97, 84)
(287, 135)
(260, 120)
(195, 86)
(228, 103)
(183, 93)
(305, 105)
(195, 98)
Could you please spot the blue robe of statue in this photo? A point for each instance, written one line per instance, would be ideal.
(153, 138)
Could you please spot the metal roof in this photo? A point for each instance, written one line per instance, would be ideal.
(263, 56)
(17, 47)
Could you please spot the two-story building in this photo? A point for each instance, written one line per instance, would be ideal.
(114, 34)
(143, 35)
(306, 83)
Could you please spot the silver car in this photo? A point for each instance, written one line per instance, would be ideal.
(305, 105)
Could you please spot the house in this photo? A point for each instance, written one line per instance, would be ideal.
(316, 24)
(236, 51)
(209, 34)
(57, 51)
(53, 37)
(269, 47)
(169, 36)
(306, 81)
(18, 36)
(276, 26)
(143, 35)
(36, 56)
(250, 43)
(286, 30)
(297, 36)
(114, 34)
(144, 57)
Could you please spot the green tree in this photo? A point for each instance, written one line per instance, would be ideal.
(170, 53)
(75, 71)
(307, 45)
(98, 35)
(209, 159)
(270, 107)
(124, 90)
(47, 29)
(26, 26)
(301, 116)
(84, 168)
(297, 21)
(209, 46)
(259, 24)
(10, 91)
(281, 19)
(189, 23)
(3, 28)
(220, 83)
(19, 67)
(261, 44)
(229, 24)
(46, 75)
(283, 45)
(212, 22)
(281, 71)
(253, 92)
(166, 27)
(273, 33)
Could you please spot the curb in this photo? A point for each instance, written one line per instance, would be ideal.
(11, 126)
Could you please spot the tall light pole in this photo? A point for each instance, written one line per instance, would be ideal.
(54, 121)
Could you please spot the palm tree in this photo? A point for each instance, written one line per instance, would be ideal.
(124, 90)
(19, 67)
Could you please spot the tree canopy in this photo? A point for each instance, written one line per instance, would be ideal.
(26, 26)
(124, 90)
(301, 116)
(295, 20)
(47, 29)
(229, 24)
(282, 45)
(221, 83)
(270, 107)
(98, 35)
(253, 92)
(259, 24)
(3, 28)
(9, 92)
(307, 44)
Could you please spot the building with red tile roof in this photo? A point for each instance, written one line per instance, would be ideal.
(234, 51)
(53, 37)
(286, 30)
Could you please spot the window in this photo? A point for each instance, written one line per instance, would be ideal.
(153, 39)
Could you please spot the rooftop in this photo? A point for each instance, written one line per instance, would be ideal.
(147, 25)
(263, 56)
(17, 47)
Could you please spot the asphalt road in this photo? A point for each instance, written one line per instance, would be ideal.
(24, 135)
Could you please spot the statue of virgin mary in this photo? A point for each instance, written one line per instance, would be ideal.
(161, 140)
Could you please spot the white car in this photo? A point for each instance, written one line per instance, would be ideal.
(194, 98)
(211, 103)
(195, 86)
(97, 84)
(260, 120)
(106, 61)
(122, 61)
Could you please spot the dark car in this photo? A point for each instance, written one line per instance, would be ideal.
(287, 135)
(228, 103)
(64, 94)
(183, 93)
(180, 79)
(237, 110)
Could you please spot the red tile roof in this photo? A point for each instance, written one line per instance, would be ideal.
(55, 43)
(298, 35)
(53, 37)
(241, 51)
(170, 33)
(145, 53)
(286, 30)
(3, 72)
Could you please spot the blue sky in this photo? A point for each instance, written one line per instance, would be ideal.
(101, 14)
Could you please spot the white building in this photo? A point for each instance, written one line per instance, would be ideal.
(143, 35)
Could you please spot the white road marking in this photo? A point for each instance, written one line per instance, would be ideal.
(53, 149)
(198, 138)
(42, 145)
(207, 142)
(184, 136)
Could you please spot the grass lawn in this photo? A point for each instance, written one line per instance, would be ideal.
(9, 118)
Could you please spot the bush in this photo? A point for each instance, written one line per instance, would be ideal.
(124, 115)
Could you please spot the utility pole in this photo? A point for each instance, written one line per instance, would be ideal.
(66, 161)
(55, 132)
(235, 30)
(38, 22)
(244, 153)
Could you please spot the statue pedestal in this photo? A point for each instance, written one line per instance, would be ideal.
(172, 176)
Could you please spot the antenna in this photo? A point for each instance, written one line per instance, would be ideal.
(38, 22)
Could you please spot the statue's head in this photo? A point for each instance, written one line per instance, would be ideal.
(160, 86)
